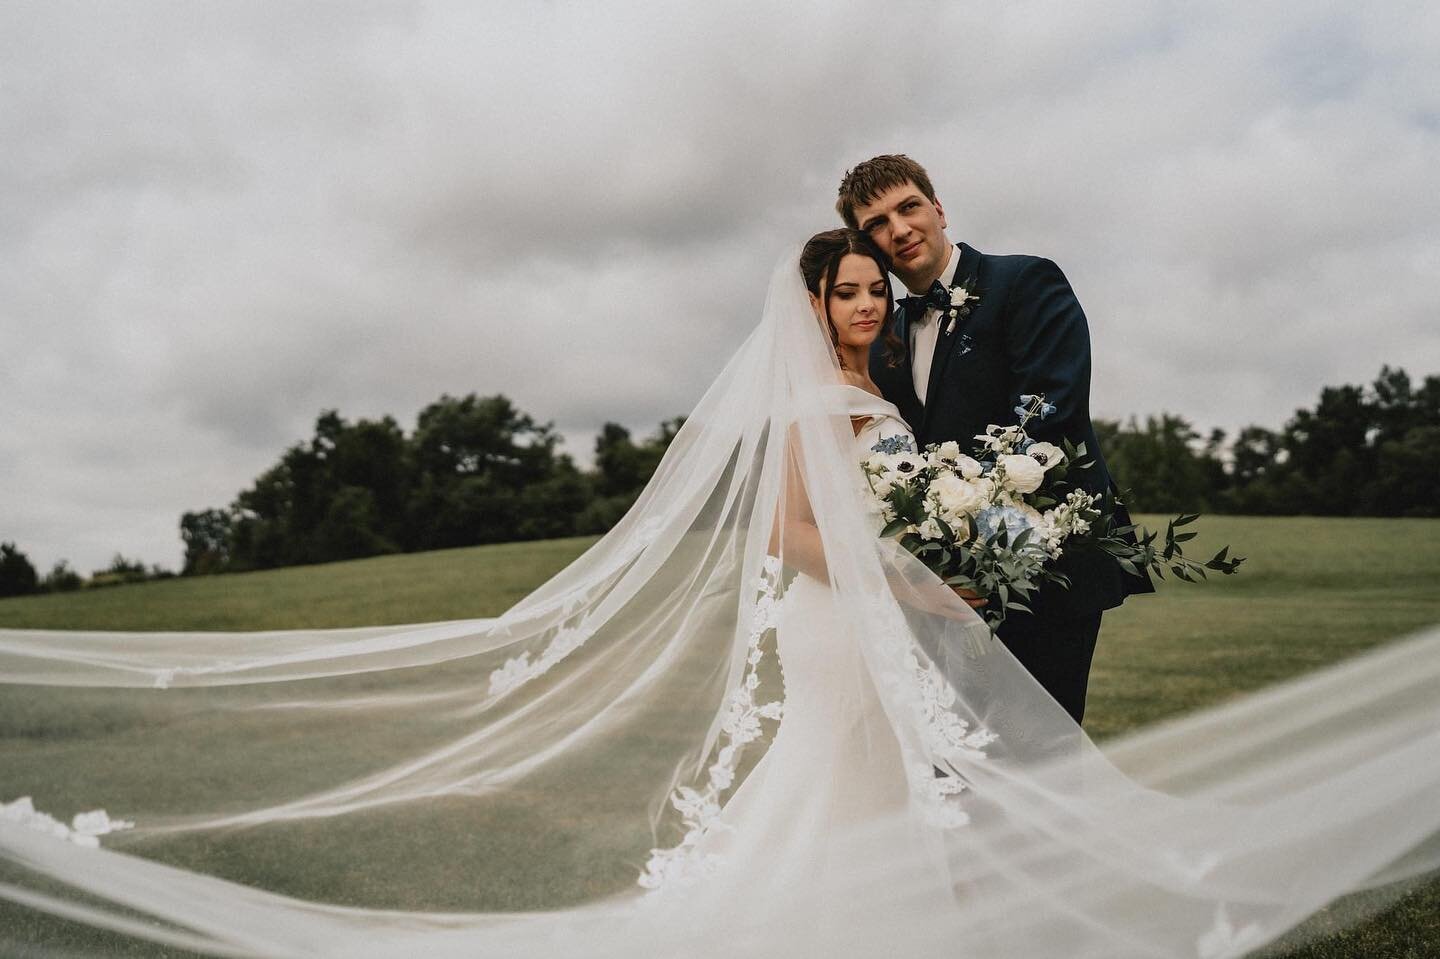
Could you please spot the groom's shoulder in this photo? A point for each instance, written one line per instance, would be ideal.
(1009, 266)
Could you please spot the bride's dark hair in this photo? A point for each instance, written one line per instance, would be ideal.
(821, 260)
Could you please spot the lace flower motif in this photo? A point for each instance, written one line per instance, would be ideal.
(700, 808)
(945, 736)
(84, 830)
(519, 670)
(166, 675)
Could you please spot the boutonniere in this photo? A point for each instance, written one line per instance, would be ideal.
(961, 301)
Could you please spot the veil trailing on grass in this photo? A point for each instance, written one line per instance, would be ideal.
(559, 780)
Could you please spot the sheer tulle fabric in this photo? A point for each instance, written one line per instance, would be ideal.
(738, 725)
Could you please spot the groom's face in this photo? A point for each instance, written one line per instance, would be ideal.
(909, 228)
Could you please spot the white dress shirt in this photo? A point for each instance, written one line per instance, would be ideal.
(924, 331)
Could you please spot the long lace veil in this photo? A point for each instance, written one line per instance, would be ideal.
(552, 781)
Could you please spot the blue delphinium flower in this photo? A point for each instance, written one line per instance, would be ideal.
(1029, 399)
(894, 444)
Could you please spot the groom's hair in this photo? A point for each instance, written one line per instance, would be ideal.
(873, 177)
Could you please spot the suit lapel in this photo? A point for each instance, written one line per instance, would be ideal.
(965, 275)
(901, 378)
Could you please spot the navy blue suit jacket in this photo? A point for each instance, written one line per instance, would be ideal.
(1025, 334)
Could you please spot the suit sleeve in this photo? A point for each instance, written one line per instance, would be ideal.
(1047, 344)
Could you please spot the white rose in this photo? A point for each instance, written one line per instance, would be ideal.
(945, 454)
(930, 529)
(1047, 455)
(956, 498)
(967, 467)
(958, 296)
(1022, 474)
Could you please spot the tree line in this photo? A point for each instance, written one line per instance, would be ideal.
(1361, 451)
(477, 470)
(474, 470)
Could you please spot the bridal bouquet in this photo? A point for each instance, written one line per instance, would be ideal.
(994, 522)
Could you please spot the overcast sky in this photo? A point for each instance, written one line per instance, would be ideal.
(218, 219)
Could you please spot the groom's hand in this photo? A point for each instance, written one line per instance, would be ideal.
(973, 599)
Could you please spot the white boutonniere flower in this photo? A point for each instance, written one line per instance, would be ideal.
(960, 298)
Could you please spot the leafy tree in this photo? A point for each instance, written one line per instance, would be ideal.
(349, 529)
(476, 458)
(17, 576)
(61, 579)
(623, 467)
(1257, 458)
(1407, 476)
(1160, 464)
(341, 495)
(1360, 451)
(207, 537)
(120, 570)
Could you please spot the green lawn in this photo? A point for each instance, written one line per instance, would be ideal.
(1313, 591)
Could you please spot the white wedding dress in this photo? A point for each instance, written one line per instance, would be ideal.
(898, 786)
(834, 762)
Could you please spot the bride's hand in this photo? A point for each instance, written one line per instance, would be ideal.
(973, 599)
(936, 599)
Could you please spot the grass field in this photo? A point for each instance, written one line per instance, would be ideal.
(1313, 591)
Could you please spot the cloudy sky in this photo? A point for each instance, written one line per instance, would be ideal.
(218, 219)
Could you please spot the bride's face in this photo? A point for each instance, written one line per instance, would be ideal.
(856, 302)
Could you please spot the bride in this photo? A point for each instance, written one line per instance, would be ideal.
(740, 724)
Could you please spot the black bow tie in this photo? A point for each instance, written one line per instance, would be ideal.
(937, 297)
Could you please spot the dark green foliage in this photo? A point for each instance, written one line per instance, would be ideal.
(622, 468)
(475, 470)
(17, 576)
(207, 541)
(1362, 451)
(1158, 463)
(122, 570)
(61, 579)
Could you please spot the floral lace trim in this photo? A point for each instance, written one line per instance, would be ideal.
(945, 735)
(84, 830)
(700, 808)
(165, 676)
(521, 669)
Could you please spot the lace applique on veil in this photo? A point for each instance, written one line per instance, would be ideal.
(700, 808)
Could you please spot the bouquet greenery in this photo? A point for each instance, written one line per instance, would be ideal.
(996, 521)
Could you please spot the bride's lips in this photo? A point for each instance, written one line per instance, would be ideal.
(865, 324)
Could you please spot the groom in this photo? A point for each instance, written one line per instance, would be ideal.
(1024, 333)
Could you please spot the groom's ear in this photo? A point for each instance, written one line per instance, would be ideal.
(941, 210)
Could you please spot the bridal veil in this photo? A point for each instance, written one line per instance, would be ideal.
(582, 747)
